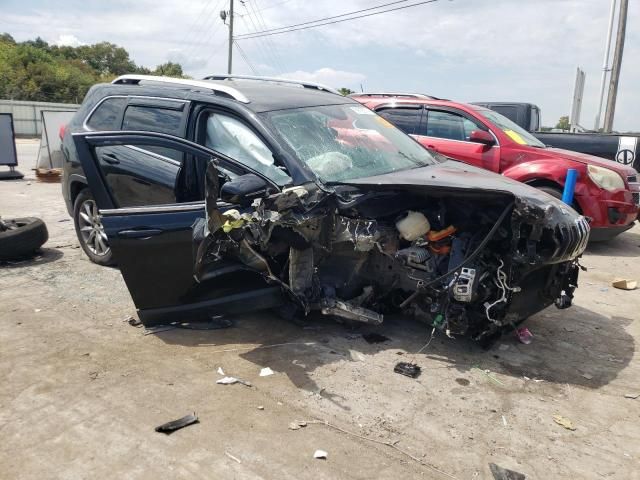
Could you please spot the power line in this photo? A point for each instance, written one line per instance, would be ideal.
(273, 5)
(244, 57)
(335, 16)
(261, 47)
(307, 25)
(268, 41)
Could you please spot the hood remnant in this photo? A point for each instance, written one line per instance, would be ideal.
(464, 258)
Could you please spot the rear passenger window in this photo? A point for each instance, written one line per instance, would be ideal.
(406, 119)
(108, 115)
(154, 119)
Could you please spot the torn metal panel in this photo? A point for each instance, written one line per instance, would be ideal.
(462, 260)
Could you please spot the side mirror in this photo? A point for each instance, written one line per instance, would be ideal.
(483, 137)
(244, 189)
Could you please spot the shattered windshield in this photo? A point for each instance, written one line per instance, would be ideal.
(344, 142)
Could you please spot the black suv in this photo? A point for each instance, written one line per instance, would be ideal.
(236, 193)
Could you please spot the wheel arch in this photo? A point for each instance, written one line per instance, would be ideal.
(77, 183)
(544, 182)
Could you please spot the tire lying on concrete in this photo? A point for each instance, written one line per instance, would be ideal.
(21, 236)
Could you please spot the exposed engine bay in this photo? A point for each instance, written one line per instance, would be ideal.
(466, 263)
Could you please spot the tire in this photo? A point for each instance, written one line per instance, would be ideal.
(554, 192)
(88, 227)
(23, 237)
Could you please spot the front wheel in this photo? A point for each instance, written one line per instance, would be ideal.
(89, 229)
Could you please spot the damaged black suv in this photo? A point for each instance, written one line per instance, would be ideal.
(232, 193)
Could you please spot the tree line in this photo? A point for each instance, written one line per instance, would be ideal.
(37, 71)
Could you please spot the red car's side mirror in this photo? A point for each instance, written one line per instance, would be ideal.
(483, 137)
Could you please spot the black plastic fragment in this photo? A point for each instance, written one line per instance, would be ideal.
(500, 473)
(409, 369)
(170, 427)
(375, 337)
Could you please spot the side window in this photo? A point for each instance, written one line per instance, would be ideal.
(108, 115)
(449, 125)
(154, 119)
(136, 176)
(406, 119)
(233, 138)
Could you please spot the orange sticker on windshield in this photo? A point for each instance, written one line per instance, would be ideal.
(384, 122)
(515, 136)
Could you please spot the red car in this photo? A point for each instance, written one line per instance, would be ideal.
(607, 192)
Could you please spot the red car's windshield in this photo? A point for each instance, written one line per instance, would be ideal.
(343, 142)
(514, 131)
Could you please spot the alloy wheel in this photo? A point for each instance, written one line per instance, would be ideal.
(91, 228)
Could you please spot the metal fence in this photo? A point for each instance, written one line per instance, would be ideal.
(27, 119)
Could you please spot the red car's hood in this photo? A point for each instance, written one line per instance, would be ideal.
(623, 170)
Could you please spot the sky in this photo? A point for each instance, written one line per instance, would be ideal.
(465, 50)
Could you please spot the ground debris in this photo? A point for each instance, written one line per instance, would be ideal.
(321, 454)
(500, 473)
(524, 335)
(134, 322)
(297, 425)
(170, 427)
(632, 396)
(408, 369)
(564, 422)
(624, 284)
(266, 371)
(235, 459)
(232, 380)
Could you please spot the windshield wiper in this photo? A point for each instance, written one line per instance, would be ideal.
(417, 162)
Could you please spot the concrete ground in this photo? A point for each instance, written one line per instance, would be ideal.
(82, 390)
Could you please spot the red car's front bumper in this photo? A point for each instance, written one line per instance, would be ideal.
(611, 213)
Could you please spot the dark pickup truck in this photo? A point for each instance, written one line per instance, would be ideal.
(624, 149)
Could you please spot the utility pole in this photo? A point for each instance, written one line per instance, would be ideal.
(605, 64)
(224, 14)
(615, 69)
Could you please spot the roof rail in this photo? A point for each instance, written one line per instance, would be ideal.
(392, 94)
(317, 86)
(134, 79)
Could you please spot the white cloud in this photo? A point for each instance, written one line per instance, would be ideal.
(328, 76)
(68, 40)
(188, 62)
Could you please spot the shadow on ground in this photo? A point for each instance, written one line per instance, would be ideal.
(574, 346)
(40, 257)
(626, 244)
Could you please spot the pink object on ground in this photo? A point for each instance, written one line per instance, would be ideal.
(524, 335)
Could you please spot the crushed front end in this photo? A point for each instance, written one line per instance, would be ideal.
(467, 262)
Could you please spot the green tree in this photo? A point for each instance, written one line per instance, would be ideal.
(169, 69)
(107, 58)
(563, 123)
(35, 70)
(345, 91)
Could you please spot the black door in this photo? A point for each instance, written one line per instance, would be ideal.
(154, 241)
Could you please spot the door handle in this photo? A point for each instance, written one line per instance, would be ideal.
(141, 233)
(110, 158)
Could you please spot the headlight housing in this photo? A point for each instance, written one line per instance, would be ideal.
(605, 178)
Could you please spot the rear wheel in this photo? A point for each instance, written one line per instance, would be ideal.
(89, 229)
